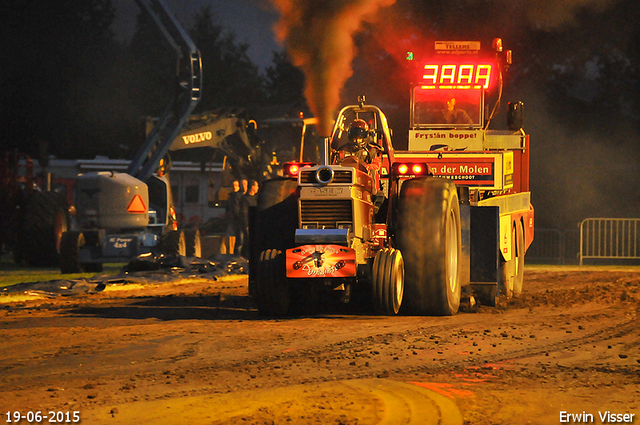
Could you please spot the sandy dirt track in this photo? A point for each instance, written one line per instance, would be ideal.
(196, 351)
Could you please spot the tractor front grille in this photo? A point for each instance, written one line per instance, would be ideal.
(343, 177)
(339, 176)
(326, 214)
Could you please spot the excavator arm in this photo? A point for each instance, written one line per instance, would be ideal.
(182, 104)
(214, 130)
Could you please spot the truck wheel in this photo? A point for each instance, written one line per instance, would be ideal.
(273, 288)
(70, 244)
(193, 247)
(173, 243)
(511, 273)
(46, 218)
(505, 277)
(429, 237)
(388, 281)
(518, 278)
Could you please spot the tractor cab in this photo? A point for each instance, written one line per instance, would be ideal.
(360, 131)
(361, 138)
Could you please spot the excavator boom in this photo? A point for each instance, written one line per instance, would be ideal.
(187, 96)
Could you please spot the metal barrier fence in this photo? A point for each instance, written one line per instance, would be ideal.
(553, 246)
(610, 238)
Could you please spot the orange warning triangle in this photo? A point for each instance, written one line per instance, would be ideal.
(137, 206)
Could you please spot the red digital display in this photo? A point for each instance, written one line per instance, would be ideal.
(458, 76)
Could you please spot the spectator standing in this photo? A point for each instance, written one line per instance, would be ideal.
(234, 219)
(245, 186)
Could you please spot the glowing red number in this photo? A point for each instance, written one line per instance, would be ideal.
(479, 75)
(483, 73)
(447, 74)
(430, 73)
(465, 74)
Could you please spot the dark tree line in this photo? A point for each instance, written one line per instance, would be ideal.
(577, 70)
(52, 65)
(583, 63)
(67, 83)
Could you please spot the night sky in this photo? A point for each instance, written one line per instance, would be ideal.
(250, 20)
(576, 68)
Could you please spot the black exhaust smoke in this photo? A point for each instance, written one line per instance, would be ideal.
(318, 36)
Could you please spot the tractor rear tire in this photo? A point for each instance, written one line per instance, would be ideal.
(273, 289)
(173, 243)
(273, 222)
(276, 215)
(193, 247)
(429, 237)
(263, 283)
(46, 218)
(388, 281)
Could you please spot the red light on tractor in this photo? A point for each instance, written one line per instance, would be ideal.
(293, 170)
(410, 169)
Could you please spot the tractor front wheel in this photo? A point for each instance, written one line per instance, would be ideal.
(388, 281)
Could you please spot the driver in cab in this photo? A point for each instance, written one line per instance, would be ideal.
(361, 146)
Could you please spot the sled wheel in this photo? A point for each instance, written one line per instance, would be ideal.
(388, 281)
(193, 247)
(429, 237)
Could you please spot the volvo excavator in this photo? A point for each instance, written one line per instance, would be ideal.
(121, 216)
(124, 215)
